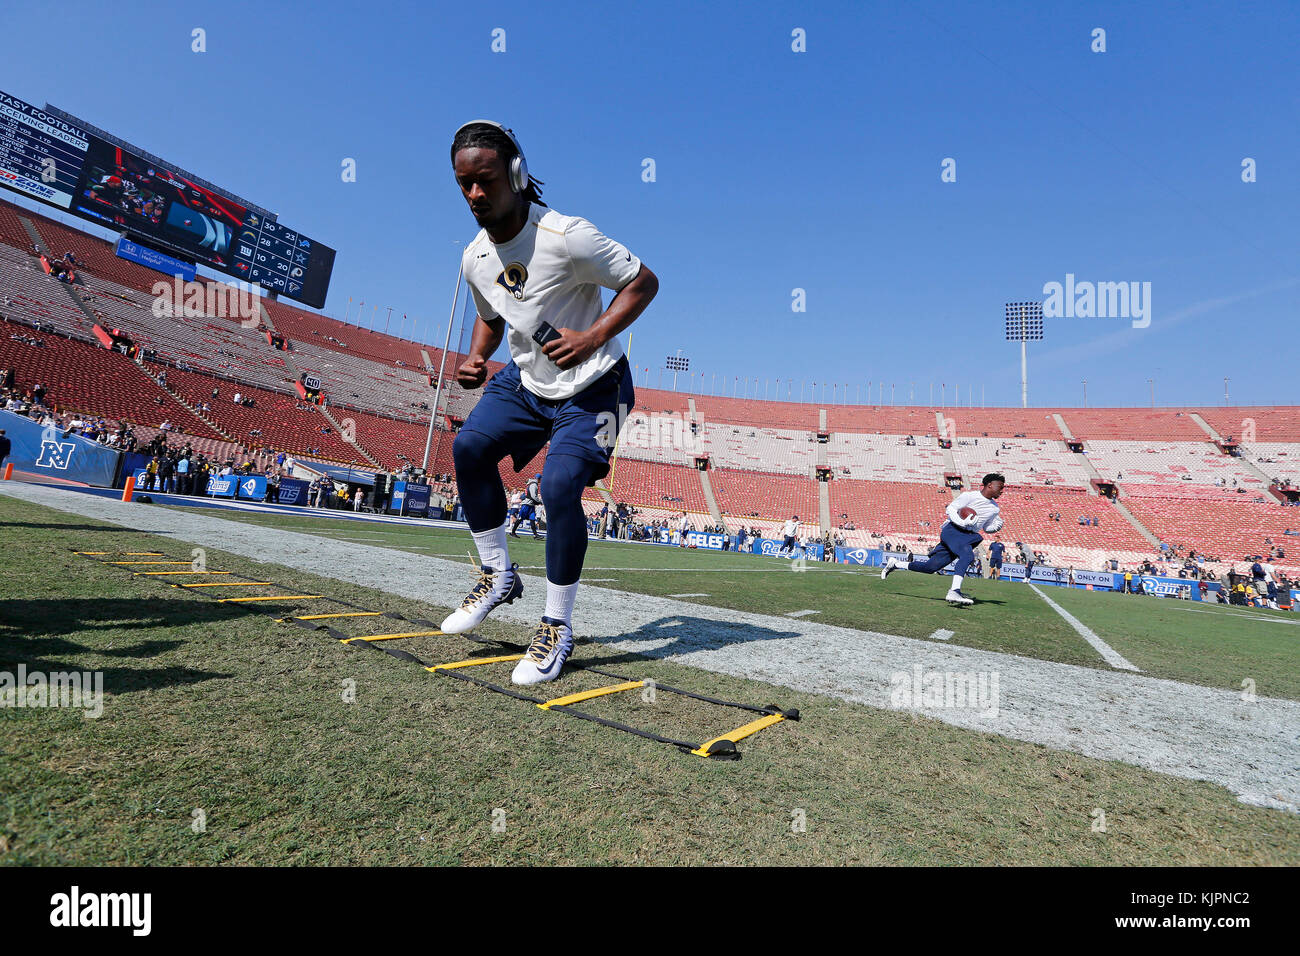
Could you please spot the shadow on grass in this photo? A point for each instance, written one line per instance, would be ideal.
(67, 527)
(46, 618)
(31, 634)
(684, 635)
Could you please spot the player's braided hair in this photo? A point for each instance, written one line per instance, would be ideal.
(483, 136)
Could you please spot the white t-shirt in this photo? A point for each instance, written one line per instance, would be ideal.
(986, 509)
(551, 272)
(790, 527)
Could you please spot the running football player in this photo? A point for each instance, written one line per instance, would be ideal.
(536, 277)
(968, 514)
(528, 507)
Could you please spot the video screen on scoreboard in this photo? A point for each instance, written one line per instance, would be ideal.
(123, 190)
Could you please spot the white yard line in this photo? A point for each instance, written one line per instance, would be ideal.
(1257, 618)
(802, 613)
(689, 594)
(941, 635)
(1108, 653)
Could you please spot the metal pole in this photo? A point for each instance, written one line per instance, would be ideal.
(442, 366)
(1085, 393)
(1024, 375)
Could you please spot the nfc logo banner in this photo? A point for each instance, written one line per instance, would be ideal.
(55, 454)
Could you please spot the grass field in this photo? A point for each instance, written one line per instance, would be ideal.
(215, 708)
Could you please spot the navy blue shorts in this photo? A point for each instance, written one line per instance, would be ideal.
(523, 423)
(525, 511)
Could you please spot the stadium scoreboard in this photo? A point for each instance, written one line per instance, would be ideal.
(276, 257)
(47, 158)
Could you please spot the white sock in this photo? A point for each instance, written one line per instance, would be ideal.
(559, 601)
(956, 582)
(493, 549)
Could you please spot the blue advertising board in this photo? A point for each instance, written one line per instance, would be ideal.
(417, 500)
(158, 261)
(398, 500)
(293, 491)
(48, 451)
(251, 487)
(219, 487)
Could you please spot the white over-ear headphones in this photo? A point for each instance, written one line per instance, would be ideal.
(518, 165)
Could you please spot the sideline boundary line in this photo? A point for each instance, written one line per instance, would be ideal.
(1108, 653)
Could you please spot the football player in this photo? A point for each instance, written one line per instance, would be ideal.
(536, 278)
(968, 514)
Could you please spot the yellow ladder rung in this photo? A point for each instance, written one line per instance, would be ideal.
(393, 637)
(156, 573)
(229, 584)
(740, 733)
(475, 662)
(589, 694)
(321, 617)
(269, 597)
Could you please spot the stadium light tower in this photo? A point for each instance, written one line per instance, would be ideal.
(676, 363)
(1024, 324)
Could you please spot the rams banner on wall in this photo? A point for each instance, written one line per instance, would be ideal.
(417, 500)
(222, 487)
(251, 487)
(48, 451)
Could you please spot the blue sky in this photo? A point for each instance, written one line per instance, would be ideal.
(775, 170)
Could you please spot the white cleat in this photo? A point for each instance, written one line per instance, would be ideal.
(493, 589)
(551, 647)
(956, 597)
(891, 565)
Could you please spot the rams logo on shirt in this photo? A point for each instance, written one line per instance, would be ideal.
(512, 279)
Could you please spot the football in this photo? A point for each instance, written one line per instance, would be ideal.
(965, 513)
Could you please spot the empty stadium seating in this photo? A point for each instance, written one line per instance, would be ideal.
(744, 496)
(1217, 521)
(90, 379)
(1167, 463)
